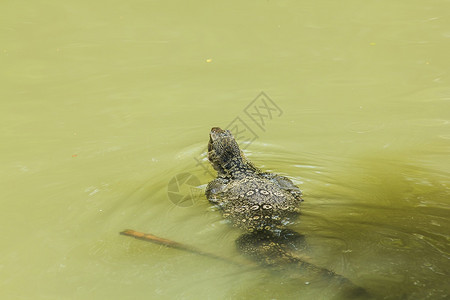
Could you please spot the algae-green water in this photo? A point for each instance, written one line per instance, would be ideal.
(105, 112)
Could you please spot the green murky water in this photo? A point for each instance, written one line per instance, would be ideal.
(104, 103)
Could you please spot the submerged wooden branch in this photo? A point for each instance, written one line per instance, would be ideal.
(172, 244)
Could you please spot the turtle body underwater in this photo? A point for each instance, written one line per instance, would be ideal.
(264, 204)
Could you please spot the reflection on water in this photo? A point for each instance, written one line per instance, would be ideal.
(103, 104)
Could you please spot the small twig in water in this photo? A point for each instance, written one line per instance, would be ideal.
(172, 244)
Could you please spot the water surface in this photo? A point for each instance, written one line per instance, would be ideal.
(104, 103)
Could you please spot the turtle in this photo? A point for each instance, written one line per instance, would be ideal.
(250, 198)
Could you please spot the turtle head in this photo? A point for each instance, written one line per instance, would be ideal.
(223, 150)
